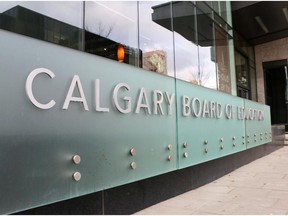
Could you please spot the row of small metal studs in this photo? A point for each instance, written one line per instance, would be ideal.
(133, 153)
(185, 145)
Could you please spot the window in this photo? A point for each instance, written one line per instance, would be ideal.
(111, 30)
(48, 21)
(186, 50)
(207, 47)
(242, 76)
(201, 46)
(156, 37)
(222, 59)
(184, 39)
(245, 68)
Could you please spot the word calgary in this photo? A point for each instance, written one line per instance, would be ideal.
(126, 101)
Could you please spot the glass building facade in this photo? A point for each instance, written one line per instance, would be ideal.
(191, 41)
(245, 68)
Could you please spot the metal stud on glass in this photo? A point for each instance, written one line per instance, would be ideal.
(221, 147)
(205, 142)
(133, 165)
(170, 147)
(185, 145)
(76, 159)
(185, 154)
(133, 152)
(206, 150)
(169, 157)
(77, 176)
(221, 140)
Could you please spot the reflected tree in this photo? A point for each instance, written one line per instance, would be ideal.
(199, 77)
(101, 29)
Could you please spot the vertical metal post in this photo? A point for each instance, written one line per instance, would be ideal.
(286, 92)
(103, 202)
(286, 89)
(83, 28)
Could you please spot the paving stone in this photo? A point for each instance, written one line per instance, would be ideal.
(260, 187)
(281, 204)
(165, 210)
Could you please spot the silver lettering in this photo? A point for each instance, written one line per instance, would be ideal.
(194, 102)
(28, 87)
(126, 99)
(219, 110)
(98, 108)
(75, 82)
(157, 102)
(143, 102)
(170, 101)
(228, 111)
(212, 109)
(206, 110)
(185, 106)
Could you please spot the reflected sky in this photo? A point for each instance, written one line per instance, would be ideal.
(154, 37)
(118, 18)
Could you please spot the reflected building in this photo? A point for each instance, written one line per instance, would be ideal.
(199, 28)
(155, 61)
(30, 23)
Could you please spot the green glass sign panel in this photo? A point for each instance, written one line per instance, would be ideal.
(208, 126)
(37, 145)
(257, 134)
(74, 123)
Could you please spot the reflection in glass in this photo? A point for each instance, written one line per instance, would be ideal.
(112, 31)
(186, 51)
(222, 59)
(183, 39)
(194, 44)
(242, 75)
(46, 21)
(245, 68)
(241, 69)
(207, 55)
(253, 83)
(156, 37)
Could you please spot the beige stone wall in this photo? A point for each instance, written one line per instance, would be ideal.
(272, 51)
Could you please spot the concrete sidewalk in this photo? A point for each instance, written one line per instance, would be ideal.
(260, 187)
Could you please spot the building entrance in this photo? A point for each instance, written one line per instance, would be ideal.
(276, 90)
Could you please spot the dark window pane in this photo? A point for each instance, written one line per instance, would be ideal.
(45, 21)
